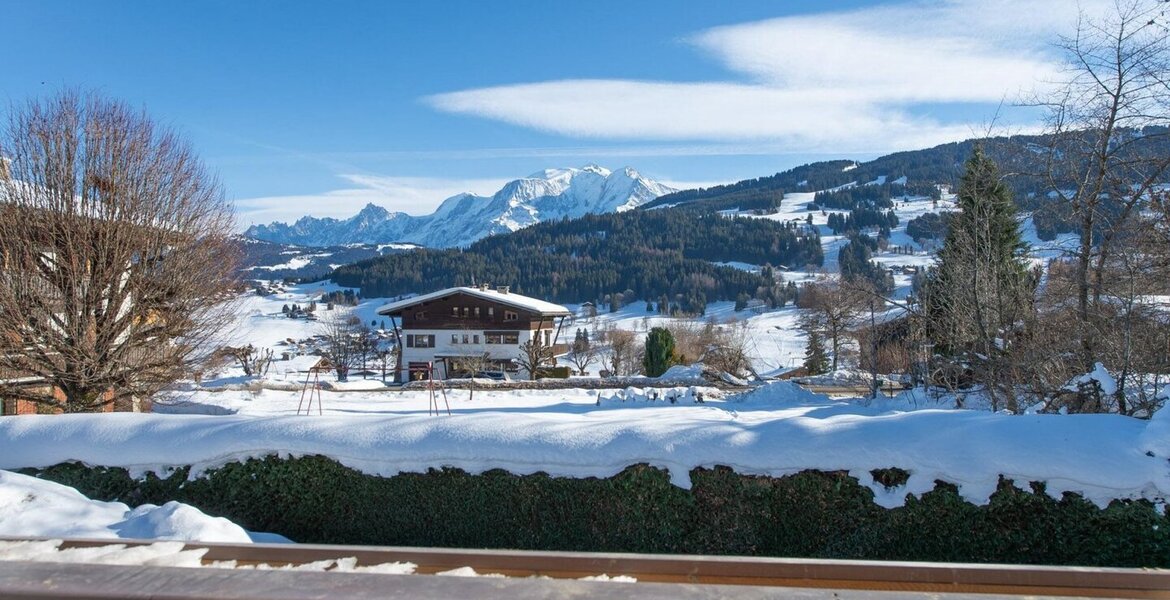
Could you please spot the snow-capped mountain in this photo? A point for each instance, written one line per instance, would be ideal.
(465, 218)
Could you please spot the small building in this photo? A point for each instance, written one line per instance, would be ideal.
(298, 366)
(461, 325)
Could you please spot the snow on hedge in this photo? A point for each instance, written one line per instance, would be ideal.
(777, 430)
(31, 507)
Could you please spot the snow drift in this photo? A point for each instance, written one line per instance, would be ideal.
(776, 430)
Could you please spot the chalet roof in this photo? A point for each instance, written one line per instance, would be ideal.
(300, 364)
(540, 307)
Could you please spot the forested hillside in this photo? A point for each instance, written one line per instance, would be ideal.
(915, 172)
(641, 255)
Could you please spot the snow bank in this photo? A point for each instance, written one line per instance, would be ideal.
(654, 396)
(694, 371)
(1156, 438)
(1099, 376)
(775, 430)
(780, 393)
(354, 385)
(173, 554)
(31, 507)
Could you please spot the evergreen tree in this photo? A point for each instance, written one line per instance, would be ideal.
(816, 360)
(981, 287)
(980, 283)
(659, 352)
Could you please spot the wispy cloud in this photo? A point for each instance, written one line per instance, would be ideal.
(412, 195)
(862, 80)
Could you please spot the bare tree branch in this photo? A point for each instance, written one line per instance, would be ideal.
(115, 245)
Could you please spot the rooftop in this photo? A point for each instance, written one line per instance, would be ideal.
(500, 295)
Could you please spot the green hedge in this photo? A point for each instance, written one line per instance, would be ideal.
(810, 514)
(553, 373)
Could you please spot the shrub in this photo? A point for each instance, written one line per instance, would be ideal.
(811, 514)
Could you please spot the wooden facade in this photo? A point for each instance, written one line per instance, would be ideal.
(461, 311)
(442, 330)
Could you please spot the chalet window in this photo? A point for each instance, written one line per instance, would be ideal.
(547, 337)
(420, 341)
(454, 338)
(510, 316)
(465, 339)
(475, 338)
(454, 311)
(421, 315)
(466, 312)
(501, 337)
(491, 312)
(477, 312)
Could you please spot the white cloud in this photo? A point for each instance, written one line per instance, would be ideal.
(412, 195)
(847, 82)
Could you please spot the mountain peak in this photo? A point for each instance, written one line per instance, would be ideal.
(464, 218)
(373, 209)
(630, 172)
(595, 168)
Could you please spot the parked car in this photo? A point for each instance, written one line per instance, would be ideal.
(493, 375)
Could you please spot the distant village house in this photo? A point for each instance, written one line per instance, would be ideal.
(443, 329)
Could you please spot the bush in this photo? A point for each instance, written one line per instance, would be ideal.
(811, 514)
(553, 373)
(660, 353)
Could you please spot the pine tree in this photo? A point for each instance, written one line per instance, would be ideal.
(981, 281)
(981, 287)
(816, 360)
(659, 352)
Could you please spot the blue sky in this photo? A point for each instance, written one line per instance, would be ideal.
(314, 107)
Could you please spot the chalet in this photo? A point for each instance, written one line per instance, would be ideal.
(458, 325)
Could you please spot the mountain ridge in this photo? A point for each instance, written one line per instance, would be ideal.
(462, 219)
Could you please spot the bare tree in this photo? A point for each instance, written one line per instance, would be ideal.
(1108, 121)
(116, 253)
(624, 358)
(729, 350)
(581, 352)
(250, 359)
(387, 358)
(832, 309)
(534, 354)
(472, 364)
(342, 333)
(692, 340)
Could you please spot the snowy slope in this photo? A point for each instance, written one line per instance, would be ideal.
(462, 219)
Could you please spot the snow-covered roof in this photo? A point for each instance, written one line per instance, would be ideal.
(539, 307)
(298, 364)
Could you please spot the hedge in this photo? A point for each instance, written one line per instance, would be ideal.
(809, 514)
